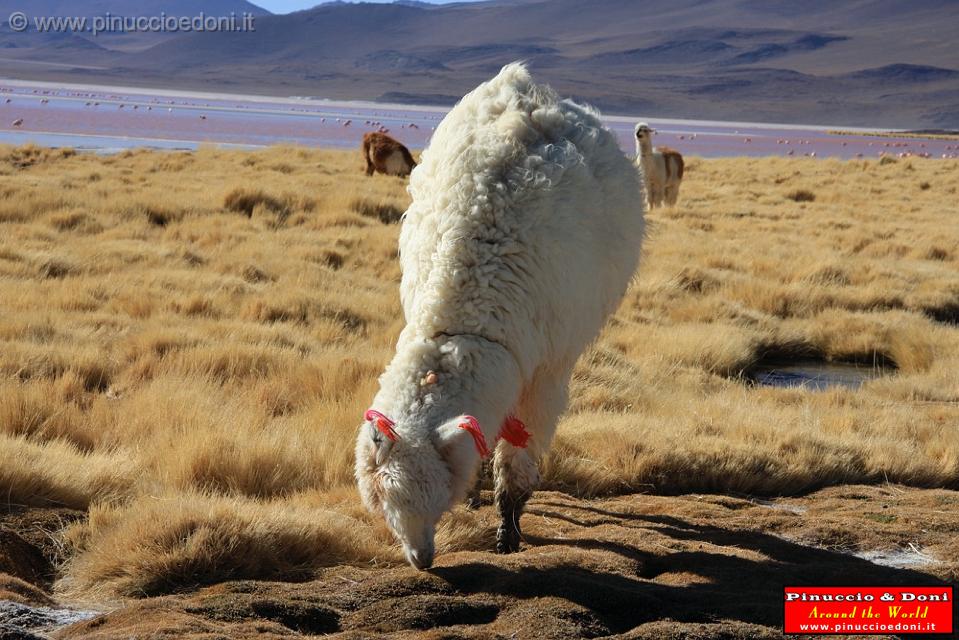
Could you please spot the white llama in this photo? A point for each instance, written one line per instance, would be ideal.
(523, 234)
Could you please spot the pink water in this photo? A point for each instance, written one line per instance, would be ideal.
(104, 119)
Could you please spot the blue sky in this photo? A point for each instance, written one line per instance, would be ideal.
(286, 6)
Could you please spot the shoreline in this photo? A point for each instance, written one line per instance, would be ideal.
(370, 104)
(106, 119)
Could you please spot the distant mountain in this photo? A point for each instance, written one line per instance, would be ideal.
(906, 73)
(860, 62)
(414, 3)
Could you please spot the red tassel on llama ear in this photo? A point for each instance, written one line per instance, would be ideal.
(471, 425)
(382, 423)
(514, 432)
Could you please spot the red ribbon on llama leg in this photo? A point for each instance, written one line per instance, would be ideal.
(471, 425)
(514, 432)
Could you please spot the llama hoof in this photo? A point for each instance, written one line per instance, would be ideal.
(507, 540)
(504, 547)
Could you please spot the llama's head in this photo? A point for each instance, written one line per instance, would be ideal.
(413, 481)
(643, 132)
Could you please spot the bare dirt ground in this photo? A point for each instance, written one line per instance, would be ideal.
(641, 566)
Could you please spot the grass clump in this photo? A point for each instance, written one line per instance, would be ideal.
(163, 544)
(246, 201)
(801, 195)
(385, 212)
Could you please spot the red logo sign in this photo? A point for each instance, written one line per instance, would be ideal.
(867, 610)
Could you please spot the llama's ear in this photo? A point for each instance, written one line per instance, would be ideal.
(460, 440)
(452, 441)
(382, 434)
(382, 445)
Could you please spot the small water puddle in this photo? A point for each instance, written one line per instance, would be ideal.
(779, 506)
(815, 375)
(898, 558)
(23, 621)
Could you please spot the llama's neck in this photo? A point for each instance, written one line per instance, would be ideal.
(644, 148)
(473, 376)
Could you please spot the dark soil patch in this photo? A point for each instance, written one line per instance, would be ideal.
(22, 560)
(300, 616)
(423, 612)
(555, 618)
(696, 566)
(29, 542)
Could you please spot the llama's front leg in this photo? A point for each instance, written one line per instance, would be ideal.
(474, 499)
(515, 470)
(656, 195)
(516, 476)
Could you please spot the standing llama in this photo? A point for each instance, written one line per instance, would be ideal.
(662, 168)
(386, 155)
(522, 236)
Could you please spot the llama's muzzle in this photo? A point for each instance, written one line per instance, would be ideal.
(421, 559)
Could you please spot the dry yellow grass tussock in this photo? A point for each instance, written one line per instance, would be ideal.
(171, 542)
(190, 339)
(57, 473)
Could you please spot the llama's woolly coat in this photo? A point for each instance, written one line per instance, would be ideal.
(522, 236)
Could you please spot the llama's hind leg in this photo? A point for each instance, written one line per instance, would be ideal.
(672, 194)
(516, 470)
(370, 167)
